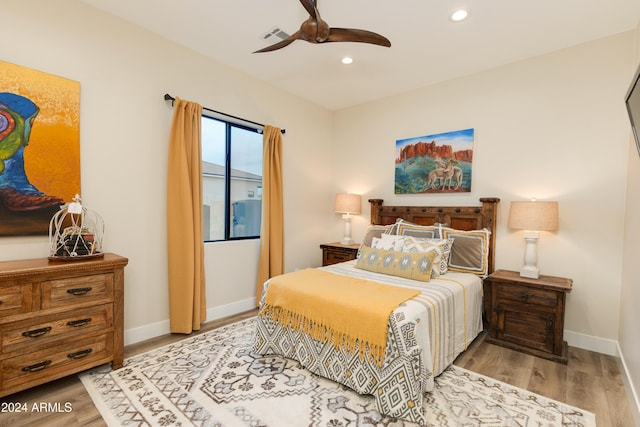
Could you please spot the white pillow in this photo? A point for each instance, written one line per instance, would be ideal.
(388, 242)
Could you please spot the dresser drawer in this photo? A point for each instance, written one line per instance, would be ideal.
(33, 334)
(523, 294)
(15, 299)
(56, 361)
(77, 290)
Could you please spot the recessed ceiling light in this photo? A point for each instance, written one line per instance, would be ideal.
(459, 15)
(347, 60)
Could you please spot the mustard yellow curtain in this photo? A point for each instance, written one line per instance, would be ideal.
(187, 305)
(271, 261)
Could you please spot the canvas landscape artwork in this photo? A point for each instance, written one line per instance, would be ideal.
(439, 163)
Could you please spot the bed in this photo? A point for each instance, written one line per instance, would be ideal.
(425, 333)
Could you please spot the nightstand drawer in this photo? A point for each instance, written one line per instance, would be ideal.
(333, 253)
(336, 257)
(527, 295)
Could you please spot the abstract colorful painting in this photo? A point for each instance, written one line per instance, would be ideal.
(39, 148)
(440, 163)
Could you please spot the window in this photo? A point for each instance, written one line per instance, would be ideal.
(231, 180)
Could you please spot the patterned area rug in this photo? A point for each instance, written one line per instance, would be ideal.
(212, 379)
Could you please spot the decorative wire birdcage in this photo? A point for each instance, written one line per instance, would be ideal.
(75, 232)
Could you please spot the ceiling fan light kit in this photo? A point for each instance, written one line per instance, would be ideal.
(316, 30)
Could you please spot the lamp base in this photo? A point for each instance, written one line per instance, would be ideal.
(347, 240)
(530, 268)
(530, 272)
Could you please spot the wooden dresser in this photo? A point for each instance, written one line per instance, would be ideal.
(527, 314)
(58, 318)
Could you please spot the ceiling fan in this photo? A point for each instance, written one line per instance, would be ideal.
(315, 30)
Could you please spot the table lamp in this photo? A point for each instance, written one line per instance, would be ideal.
(347, 204)
(532, 216)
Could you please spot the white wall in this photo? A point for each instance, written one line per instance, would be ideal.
(552, 127)
(124, 72)
(629, 338)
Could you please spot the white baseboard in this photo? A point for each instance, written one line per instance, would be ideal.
(146, 332)
(226, 310)
(591, 343)
(142, 333)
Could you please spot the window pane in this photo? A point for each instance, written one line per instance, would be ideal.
(214, 153)
(246, 182)
(231, 204)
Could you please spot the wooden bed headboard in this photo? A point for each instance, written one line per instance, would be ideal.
(458, 217)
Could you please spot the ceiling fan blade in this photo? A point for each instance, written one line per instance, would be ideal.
(310, 6)
(284, 43)
(360, 36)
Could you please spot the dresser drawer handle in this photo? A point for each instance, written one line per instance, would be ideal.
(37, 367)
(525, 297)
(78, 323)
(36, 332)
(79, 354)
(79, 291)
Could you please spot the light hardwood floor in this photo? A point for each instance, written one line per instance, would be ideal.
(590, 380)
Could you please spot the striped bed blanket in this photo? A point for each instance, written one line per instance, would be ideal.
(425, 335)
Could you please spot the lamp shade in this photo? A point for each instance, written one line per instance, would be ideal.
(347, 203)
(533, 216)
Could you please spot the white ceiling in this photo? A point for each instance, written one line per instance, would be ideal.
(426, 47)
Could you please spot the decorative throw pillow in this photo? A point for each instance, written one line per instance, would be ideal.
(414, 230)
(470, 250)
(373, 231)
(409, 265)
(442, 248)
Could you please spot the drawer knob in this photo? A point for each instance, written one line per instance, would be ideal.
(35, 333)
(79, 291)
(37, 367)
(79, 354)
(525, 297)
(79, 322)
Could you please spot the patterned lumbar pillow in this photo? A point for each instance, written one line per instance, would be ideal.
(409, 265)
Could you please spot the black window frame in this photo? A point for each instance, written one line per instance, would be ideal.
(229, 124)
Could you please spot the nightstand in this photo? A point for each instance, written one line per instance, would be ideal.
(333, 253)
(527, 314)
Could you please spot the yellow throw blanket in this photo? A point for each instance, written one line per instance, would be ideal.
(335, 309)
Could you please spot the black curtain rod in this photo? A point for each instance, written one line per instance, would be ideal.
(168, 97)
